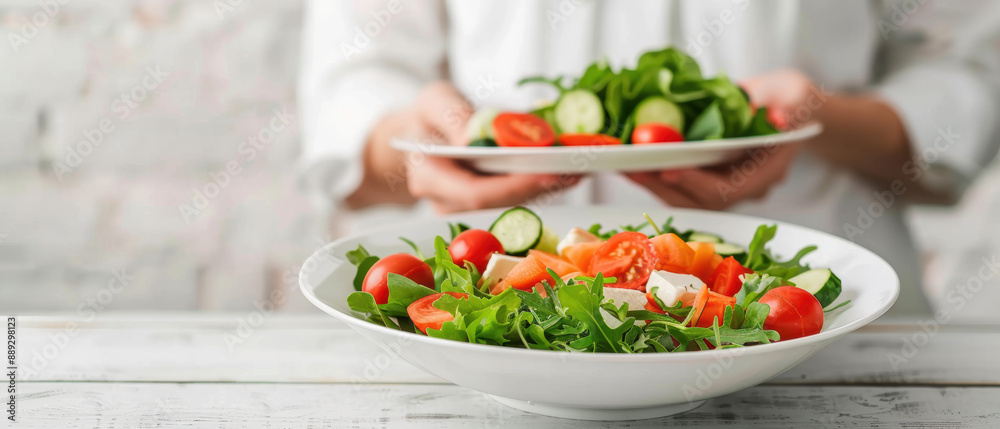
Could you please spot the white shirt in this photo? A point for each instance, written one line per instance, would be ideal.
(935, 62)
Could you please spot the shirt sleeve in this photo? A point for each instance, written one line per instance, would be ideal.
(941, 75)
(360, 60)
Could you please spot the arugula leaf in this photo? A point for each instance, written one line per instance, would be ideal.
(754, 286)
(584, 305)
(363, 267)
(357, 256)
(759, 125)
(455, 229)
(364, 306)
(596, 230)
(416, 250)
(757, 256)
(402, 293)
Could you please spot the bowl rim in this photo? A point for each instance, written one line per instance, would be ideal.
(823, 336)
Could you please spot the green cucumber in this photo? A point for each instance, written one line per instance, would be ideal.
(820, 282)
(485, 142)
(728, 249)
(549, 241)
(480, 125)
(704, 237)
(659, 110)
(579, 111)
(518, 230)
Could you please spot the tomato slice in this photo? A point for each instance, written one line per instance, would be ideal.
(708, 306)
(425, 316)
(725, 279)
(629, 257)
(653, 133)
(557, 264)
(522, 130)
(674, 253)
(588, 140)
(701, 263)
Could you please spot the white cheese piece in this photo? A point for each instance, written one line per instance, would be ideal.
(576, 236)
(636, 300)
(498, 268)
(671, 287)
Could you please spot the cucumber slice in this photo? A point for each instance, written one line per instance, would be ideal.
(728, 249)
(705, 237)
(548, 242)
(579, 111)
(821, 282)
(487, 142)
(480, 125)
(518, 230)
(659, 110)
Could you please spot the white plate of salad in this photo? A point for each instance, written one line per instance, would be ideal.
(600, 313)
(661, 114)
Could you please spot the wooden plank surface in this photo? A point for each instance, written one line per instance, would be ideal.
(169, 348)
(230, 405)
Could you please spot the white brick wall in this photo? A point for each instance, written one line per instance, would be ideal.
(67, 232)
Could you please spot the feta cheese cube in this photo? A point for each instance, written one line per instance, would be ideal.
(576, 236)
(498, 268)
(672, 287)
(636, 300)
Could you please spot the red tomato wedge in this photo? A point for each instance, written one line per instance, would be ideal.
(522, 130)
(628, 257)
(674, 253)
(653, 133)
(425, 316)
(581, 254)
(588, 140)
(794, 312)
(708, 306)
(725, 279)
(701, 264)
(525, 275)
(557, 264)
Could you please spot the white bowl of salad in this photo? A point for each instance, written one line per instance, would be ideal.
(600, 313)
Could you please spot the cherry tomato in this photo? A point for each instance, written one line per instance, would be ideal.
(655, 133)
(476, 246)
(794, 312)
(425, 316)
(588, 140)
(628, 257)
(708, 306)
(726, 277)
(522, 130)
(409, 266)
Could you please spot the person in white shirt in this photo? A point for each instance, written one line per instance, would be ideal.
(907, 92)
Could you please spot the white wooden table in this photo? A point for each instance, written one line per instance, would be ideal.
(176, 370)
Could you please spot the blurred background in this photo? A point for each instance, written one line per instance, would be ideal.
(119, 117)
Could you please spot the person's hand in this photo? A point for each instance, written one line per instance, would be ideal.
(439, 116)
(785, 93)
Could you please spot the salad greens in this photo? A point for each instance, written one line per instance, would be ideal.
(713, 108)
(574, 313)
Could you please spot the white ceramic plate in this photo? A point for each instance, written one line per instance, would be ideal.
(601, 386)
(587, 159)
